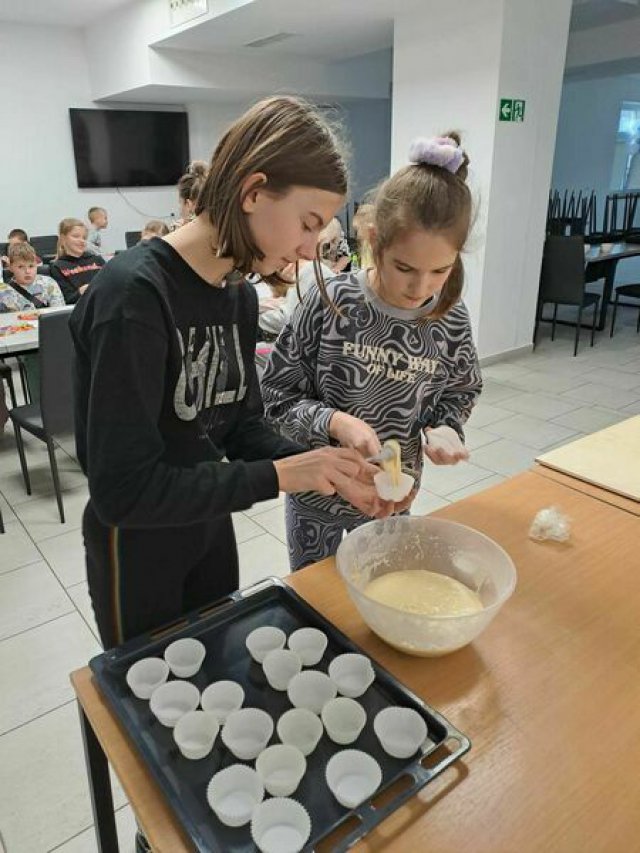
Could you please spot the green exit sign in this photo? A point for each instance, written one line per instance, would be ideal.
(511, 109)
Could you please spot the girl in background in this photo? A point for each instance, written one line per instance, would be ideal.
(391, 356)
(74, 266)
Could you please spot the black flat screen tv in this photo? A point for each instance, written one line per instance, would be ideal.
(129, 148)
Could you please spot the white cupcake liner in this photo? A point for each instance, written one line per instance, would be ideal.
(353, 776)
(263, 640)
(388, 491)
(195, 734)
(401, 731)
(173, 700)
(185, 657)
(280, 666)
(309, 644)
(222, 698)
(281, 768)
(234, 793)
(280, 825)
(343, 720)
(352, 674)
(247, 732)
(301, 728)
(145, 675)
(311, 690)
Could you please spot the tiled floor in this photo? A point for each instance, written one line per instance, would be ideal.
(529, 404)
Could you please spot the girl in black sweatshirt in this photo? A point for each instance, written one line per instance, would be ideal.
(74, 267)
(166, 387)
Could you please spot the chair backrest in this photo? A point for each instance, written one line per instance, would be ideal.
(45, 246)
(562, 277)
(4, 248)
(132, 237)
(56, 362)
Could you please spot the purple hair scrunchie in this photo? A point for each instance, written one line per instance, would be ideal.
(436, 151)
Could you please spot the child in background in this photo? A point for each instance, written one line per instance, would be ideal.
(393, 357)
(189, 187)
(334, 251)
(74, 267)
(16, 235)
(99, 220)
(362, 225)
(28, 290)
(154, 228)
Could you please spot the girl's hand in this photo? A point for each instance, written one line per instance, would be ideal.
(330, 471)
(83, 288)
(355, 433)
(444, 446)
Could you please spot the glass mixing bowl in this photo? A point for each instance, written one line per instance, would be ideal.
(421, 542)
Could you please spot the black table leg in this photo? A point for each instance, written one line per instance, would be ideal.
(100, 788)
(607, 290)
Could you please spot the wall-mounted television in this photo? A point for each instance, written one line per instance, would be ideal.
(129, 148)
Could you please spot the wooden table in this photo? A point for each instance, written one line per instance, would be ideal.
(604, 265)
(549, 695)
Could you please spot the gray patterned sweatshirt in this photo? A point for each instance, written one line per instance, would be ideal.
(379, 363)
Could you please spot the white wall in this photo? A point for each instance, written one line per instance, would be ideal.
(45, 72)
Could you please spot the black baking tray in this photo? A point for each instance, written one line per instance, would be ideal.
(223, 628)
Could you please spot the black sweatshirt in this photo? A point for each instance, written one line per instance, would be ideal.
(165, 386)
(72, 273)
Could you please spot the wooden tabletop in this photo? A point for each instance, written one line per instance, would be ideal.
(549, 694)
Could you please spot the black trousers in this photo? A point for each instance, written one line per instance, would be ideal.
(139, 580)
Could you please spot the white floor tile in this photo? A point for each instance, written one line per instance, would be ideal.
(442, 480)
(505, 457)
(426, 502)
(475, 438)
(262, 557)
(613, 378)
(35, 667)
(65, 554)
(16, 548)
(484, 414)
(81, 599)
(30, 596)
(540, 405)
(7, 513)
(45, 794)
(533, 432)
(589, 419)
(264, 506)
(86, 842)
(272, 521)
(633, 409)
(505, 371)
(632, 366)
(494, 392)
(603, 395)
(475, 488)
(41, 518)
(13, 486)
(244, 527)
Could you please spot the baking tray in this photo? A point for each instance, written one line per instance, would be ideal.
(222, 628)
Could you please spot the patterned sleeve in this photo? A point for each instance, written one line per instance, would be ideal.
(456, 402)
(55, 299)
(291, 397)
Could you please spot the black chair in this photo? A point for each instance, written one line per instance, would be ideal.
(633, 292)
(46, 246)
(6, 375)
(131, 238)
(562, 282)
(53, 415)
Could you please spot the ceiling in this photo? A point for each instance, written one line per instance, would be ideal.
(68, 13)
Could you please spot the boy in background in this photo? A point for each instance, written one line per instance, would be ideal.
(98, 221)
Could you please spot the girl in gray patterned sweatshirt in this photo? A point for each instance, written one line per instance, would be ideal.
(392, 356)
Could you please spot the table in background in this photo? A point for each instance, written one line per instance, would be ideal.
(600, 265)
(548, 695)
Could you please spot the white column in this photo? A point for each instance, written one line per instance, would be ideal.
(453, 62)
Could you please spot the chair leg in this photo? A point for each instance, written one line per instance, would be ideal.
(613, 316)
(536, 324)
(12, 391)
(23, 458)
(24, 380)
(553, 324)
(578, 326)
(596, 305)
(638, 323)
(56, 479)
(1, 523)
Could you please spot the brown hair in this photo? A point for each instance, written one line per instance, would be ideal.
(18, 232)
(292, 144)
(430, 197)
(157, 227)
(64, 228)
(192, 181)
(93, 210)
(22, 252)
